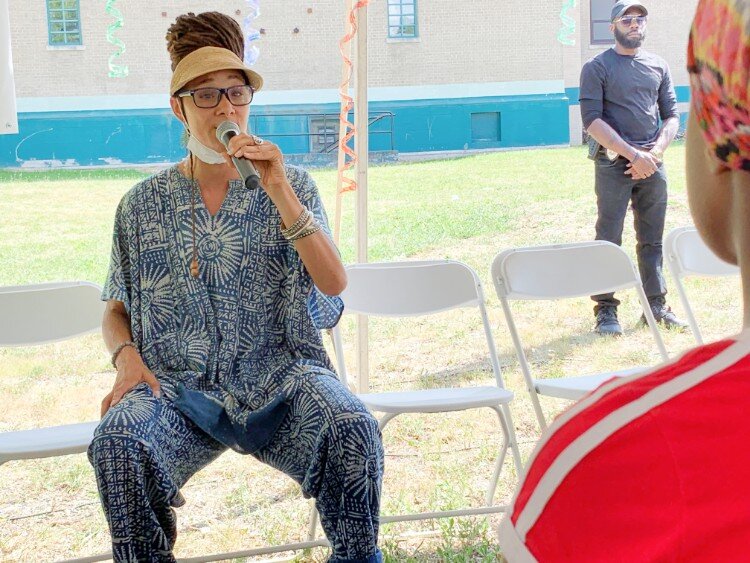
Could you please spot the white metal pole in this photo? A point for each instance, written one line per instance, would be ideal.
(8, 116)
(362, 150)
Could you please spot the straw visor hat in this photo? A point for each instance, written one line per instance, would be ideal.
(210, 59)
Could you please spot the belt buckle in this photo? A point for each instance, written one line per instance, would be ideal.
(612, 155)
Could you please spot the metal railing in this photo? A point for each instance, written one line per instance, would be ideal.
(325, 139)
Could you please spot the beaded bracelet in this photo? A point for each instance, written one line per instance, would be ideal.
(298, 224)
(314, 227)
(120, 348)
(290, 234)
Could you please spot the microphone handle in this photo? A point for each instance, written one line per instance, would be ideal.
(248, 172)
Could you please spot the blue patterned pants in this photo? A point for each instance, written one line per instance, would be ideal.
(145, 450)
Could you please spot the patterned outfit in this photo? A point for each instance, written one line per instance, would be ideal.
(719, 66)
(239, 357)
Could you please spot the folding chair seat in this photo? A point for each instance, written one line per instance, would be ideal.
(558, 272)
(411, 289)
(687, 255)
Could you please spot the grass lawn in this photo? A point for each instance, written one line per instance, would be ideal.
(57, 225)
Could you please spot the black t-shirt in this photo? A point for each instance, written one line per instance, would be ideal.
(629, 93)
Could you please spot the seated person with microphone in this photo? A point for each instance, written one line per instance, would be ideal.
(222, 275)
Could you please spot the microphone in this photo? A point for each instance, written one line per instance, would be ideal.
(224, 132)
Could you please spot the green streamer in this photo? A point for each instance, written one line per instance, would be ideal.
(567, 32)
(115, 70)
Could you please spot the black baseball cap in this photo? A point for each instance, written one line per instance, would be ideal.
(623, 6)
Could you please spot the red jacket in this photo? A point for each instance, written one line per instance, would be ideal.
(652, 467)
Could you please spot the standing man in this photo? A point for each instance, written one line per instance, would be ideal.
(625, 92)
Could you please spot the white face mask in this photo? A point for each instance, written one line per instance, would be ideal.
(204, 153)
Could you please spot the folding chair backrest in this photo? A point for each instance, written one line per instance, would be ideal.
(687, 254)
(43, 313)
(563, 270)
(403, 289)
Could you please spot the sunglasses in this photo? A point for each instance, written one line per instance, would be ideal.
(627, 21)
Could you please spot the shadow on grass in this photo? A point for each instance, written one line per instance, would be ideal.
(537, 356)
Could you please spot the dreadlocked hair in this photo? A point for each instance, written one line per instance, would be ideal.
(190, 32)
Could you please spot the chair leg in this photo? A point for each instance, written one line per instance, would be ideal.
(513, 440)
(385, 420)
(312, 530)
(492, 486)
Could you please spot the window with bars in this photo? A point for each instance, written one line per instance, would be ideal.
(324, 134)
(64, 22)
(402, 18)
(600, 14)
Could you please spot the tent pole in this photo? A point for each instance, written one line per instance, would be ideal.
(362, 150)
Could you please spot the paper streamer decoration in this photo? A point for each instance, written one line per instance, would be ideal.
(566, 36)
(347, 158)
(115, 70)
(347, 103)
(251, 34)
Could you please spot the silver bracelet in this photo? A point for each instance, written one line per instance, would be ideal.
(303, 218)
(120, 348)
(290, 234)
(313, 228)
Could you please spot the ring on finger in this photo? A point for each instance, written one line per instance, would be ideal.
(257, 140)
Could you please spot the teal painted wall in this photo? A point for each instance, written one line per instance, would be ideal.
(87, 138)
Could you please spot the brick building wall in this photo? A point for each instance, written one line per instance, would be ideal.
(480, 74)
(471, 42)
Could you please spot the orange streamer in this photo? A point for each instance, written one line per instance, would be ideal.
(347, 103)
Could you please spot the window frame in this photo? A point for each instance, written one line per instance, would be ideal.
(593, 40)
(478, 121)
(400, 26)
(323, 132)
(64, 20)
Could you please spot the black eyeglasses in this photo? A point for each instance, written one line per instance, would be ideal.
(207, 98)
(627, 21)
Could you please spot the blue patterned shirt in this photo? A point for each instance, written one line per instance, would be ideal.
(230, 345)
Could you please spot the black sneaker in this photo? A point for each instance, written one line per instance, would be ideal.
(666, 317)
(607, 323)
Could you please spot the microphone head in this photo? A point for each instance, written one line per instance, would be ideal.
(226, 130)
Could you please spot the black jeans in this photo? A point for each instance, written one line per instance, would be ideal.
(614, 190)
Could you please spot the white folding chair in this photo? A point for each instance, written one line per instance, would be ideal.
(406, 289)
(32, 315)
(688, 255)
(565, 271)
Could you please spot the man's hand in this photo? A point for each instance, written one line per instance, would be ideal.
(643, 165)
(130, 372)
(658, 154)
